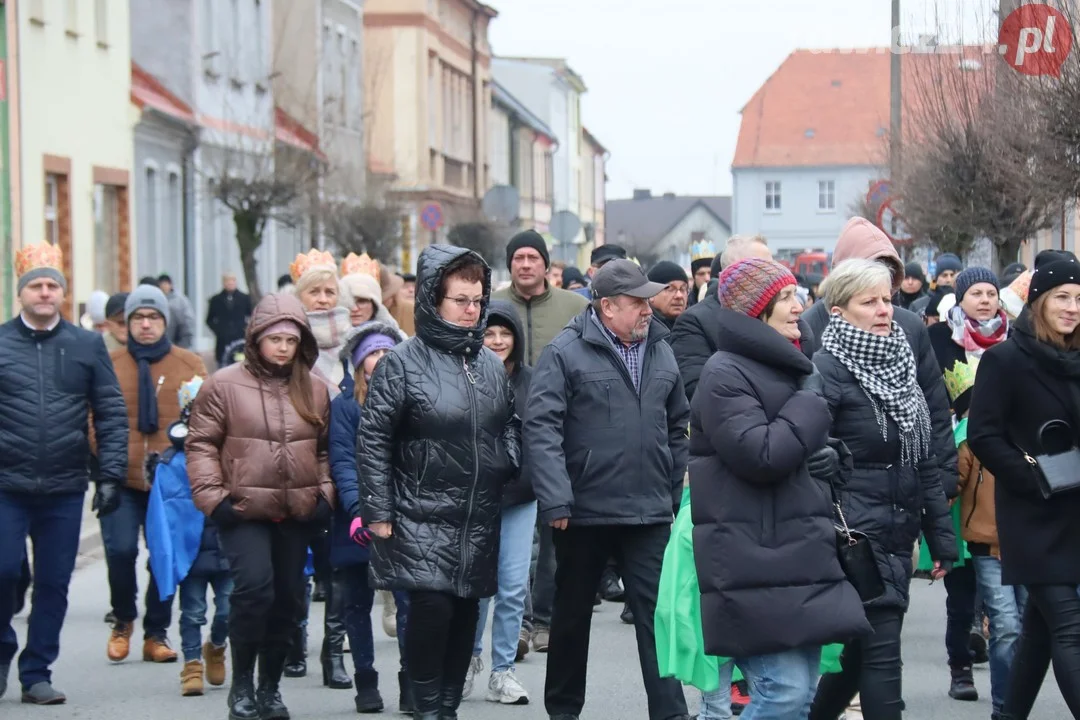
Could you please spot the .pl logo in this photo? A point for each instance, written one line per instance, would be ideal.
(1035, 40)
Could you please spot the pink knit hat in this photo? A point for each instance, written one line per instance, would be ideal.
(281, 327)
(749, 285)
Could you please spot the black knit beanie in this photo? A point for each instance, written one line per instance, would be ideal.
(527, 239)
(1053, 268)
(666, 272)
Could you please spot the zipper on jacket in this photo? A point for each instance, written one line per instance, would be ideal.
(471, 390)
(974, 499)
(529, 331)
(41, 409)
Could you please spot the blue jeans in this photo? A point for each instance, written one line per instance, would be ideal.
(193, 612)
(782, 685)
(716, 705)
(515, 553)
(52, 522)
(120, 535)
(1005, 606)
(359, 599)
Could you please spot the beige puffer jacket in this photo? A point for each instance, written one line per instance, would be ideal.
(247, 443)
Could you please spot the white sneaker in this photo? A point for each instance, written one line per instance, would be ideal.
(476, 666)
(503, 687)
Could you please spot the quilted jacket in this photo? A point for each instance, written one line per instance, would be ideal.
(49, 382)
(245, 440)
(439, 441)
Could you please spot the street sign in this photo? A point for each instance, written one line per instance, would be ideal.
(892, 223)
(431, 217)
(502, 204)
(565, 226)
(879, 192)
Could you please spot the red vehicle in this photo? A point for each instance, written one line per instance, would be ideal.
(808, 263)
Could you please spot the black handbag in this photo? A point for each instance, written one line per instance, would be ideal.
(857, 560)
(1057, 465)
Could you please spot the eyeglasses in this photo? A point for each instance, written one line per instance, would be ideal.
(146, 317)
(464, 303)
(672, 290)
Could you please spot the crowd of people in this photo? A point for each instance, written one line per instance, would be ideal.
(748, 460)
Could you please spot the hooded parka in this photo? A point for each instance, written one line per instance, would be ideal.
(764, 541)
(247, 443)
(439, 441)
(519, 490)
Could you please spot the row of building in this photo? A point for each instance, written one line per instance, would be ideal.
(125, 123)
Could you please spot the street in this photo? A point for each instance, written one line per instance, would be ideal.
(134, 689)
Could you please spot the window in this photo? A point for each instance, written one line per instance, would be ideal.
(152, 209)
(71, 18)
(826, 195)
(433, 102)
(52, 202)
(37, 12)
(353, 81)
(106, 239)
(330, 92)
(258, 60)
(101, 22)
(772, 195)
(236, 72)
(174, 219)
(208, 39)
(343, 78)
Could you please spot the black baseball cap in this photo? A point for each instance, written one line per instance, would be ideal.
(115, 305)
(606, 253)
(623, 277)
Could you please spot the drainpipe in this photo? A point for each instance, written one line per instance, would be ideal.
(476, 93)
(187, 178)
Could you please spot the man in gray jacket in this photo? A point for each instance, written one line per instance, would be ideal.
(605, 437)
(182, 326)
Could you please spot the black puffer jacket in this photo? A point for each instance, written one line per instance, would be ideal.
(889, 501)
(49, 383)
(695, 336)
(520, 489)
(930, 380)
(438, 443)
(764, 542)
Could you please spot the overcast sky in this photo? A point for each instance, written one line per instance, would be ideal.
(666, 80)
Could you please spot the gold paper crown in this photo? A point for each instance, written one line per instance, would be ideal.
(353, 264)
(35, 257)
(1022, 284)
(960, 379)
(703, 250)
(313, 259)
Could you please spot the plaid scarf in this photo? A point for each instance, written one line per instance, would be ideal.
(885, 369)
(330, 328)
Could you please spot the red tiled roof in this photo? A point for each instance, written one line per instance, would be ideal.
(288, 130)
(147, 91)
(831, 107)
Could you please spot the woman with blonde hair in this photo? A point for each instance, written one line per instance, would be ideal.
(319, 291)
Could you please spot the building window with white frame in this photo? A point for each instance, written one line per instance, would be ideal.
(152, 208)
(826, 195)
(772, 196)
(52, 223)
(101, 22)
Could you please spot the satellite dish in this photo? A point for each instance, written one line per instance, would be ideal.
(501, 204)
(565, 226)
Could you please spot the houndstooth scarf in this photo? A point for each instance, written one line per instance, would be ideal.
(885, 369)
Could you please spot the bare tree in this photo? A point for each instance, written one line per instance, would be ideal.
(485, 238)
(372, 227)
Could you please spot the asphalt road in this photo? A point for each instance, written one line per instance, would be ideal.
(134, 690)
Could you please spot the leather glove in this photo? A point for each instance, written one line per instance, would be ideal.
(824, 464)
(322, 511)
(814, 382)
(106, 498)
(224, 516)
(360, 535)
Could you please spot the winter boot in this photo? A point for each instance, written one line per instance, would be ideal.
(242, 693)
(368, 699)
(962, 684)
(427, 699)
(451, 699)
(405, 696)
(268, 695)
(333, 648)
(296, 662)
(214, 657)
(191, 679)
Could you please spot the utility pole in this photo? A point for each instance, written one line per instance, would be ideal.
(895, 106)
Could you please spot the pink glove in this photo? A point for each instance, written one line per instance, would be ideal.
(360, 534)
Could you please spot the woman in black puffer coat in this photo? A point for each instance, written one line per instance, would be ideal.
(772, 590)
(439, 441)
(881, 415)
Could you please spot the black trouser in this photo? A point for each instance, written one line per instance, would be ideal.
(960, 589)
(266, 560)
(580, 556)
(1050, 632)
(871, 668)
(439, 641)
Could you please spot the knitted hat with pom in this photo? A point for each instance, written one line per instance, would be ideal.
(749, 285)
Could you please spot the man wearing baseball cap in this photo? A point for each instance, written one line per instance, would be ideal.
(605, 431)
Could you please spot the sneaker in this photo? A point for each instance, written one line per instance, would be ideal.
(119, 646)
(740, 697)
(43, 693)
(962, 684)
(476, 666)
(523, 644)
(978, 645)
(504, 688)
(540, 638)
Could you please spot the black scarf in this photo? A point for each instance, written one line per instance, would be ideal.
(145, 356)
(1063, 363)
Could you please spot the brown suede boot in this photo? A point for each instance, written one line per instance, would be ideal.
(119, 642)
(214, 657)
(157, 650)
(191, 679)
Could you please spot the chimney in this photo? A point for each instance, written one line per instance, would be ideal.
(642, 194)
(669, 196)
